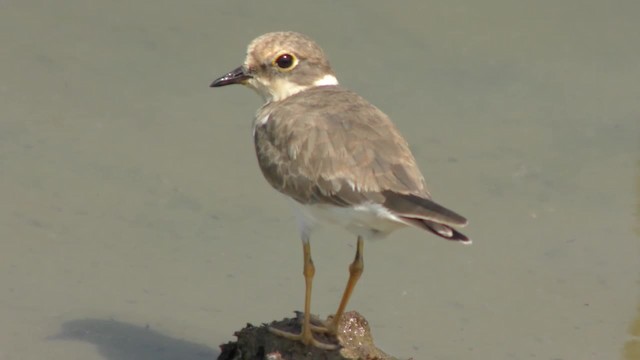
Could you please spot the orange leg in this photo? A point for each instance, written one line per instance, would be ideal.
(355, 270)
(306, 336)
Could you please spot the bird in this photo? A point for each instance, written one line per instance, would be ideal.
(339, 158)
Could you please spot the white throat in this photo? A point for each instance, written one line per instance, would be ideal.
(280, 88)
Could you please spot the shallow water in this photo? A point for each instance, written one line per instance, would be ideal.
(135, 223)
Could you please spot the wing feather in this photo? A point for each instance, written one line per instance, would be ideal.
(329, 145)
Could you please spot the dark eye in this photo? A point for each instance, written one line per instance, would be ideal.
(285, 61)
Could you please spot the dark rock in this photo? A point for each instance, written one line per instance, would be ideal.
(354, 340)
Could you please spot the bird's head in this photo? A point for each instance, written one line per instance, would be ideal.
(281, 64)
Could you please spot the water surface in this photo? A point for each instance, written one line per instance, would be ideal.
(135, 224)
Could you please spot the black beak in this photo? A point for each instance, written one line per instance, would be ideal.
(236, 76)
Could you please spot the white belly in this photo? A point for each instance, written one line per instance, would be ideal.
(370, 221)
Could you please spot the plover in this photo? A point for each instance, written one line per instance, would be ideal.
(339, 158)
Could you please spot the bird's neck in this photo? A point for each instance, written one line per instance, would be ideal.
(282, 88)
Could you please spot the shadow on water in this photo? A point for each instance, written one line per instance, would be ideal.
(121, 341)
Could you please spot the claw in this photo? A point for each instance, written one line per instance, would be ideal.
(305, 337)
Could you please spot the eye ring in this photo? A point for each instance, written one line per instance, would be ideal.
(285, 62)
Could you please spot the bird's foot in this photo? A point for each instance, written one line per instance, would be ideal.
(329, 326)
(305, 337)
